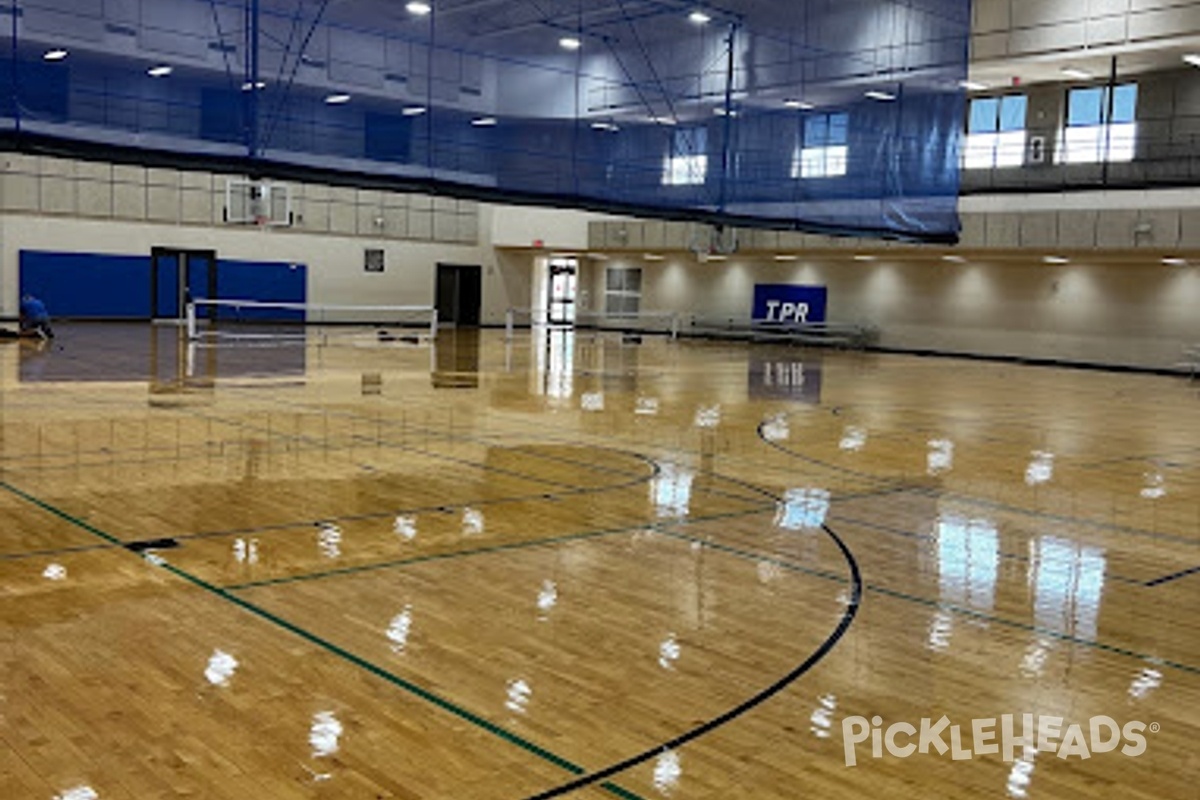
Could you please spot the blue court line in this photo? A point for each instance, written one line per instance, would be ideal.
(1018, 557)
(330, 647)
(995, 504)
(941, 604)
(1174, 576)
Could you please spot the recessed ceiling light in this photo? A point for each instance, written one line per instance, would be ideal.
(483, 122)
(699, 17)
(1077, 74)
(1056, 260)
(569, 43)
(653, 257)
(1193, 59)
(248, 86)
(973, 86)
(799, 104)
(864, 257)
(57, 54)
(877, 95)
(418, 8)
(605, 126)
(413, 111)
(786, 256)
(161, 71)
(337, 99)
(1174, 261)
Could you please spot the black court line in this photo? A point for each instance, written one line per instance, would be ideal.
(970, 500)
(1174, 576)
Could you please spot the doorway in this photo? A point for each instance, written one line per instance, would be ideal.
(459, 294)
(564, 280)
(178, 274)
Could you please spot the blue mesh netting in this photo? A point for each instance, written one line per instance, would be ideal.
(759, 115)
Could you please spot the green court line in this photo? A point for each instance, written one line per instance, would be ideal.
(330, 647)
(498, 548)
(941, 604)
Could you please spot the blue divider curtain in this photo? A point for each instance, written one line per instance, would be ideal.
(828, 115)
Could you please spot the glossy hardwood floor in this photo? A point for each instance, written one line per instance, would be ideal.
(488, 571)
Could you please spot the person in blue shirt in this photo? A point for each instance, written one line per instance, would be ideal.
(35, 319)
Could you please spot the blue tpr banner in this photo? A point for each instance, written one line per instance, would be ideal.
(789, 304)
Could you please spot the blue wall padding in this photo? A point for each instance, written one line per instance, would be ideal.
(100, 286)
(88, 285)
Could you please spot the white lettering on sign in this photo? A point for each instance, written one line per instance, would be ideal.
(788, 311)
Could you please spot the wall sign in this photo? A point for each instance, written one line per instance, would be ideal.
(373, 259)
(788, 304)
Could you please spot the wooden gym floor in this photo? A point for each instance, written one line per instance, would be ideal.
(381, 572)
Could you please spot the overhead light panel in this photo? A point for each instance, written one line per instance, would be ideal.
(1056, 260)
(250, 86)
(798, 104)
(1174, 261)
(1193, 59)
(58, 54)
(161, 71)
(337, 99)
(611, 127)
(1077, 74)
(418, 8)
(413, 111)
(484, 122)
(973, 86)
(569, 43)
(653, 257)
(864, 257)
(699, 18)
(663, 121)
(954, 259)
(882, 96)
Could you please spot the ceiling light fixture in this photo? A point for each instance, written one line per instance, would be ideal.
(864, 257)
(1077, 74)
(1056, 260)
(973, 86)
(798, 104)
(653, 257)
(1193, 59)
(611, 127)
(413, 111)
(881, 96)
(786, 256)
(484, 122)
(57, 54)
(418, 8)
(954, 259)
(161, 71)
(699, 18)
(337, 99)
(569, 43)
(248, 86)
(1174, 261)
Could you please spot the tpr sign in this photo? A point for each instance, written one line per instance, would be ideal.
(787, 304)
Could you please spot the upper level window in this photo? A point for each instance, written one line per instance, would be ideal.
(1097, 129)
(996, 132)
(823, 150)
(687, 162)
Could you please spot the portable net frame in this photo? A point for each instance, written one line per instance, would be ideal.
(269, 323)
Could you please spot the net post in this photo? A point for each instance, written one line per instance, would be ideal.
(508, 325)
(191, 321)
